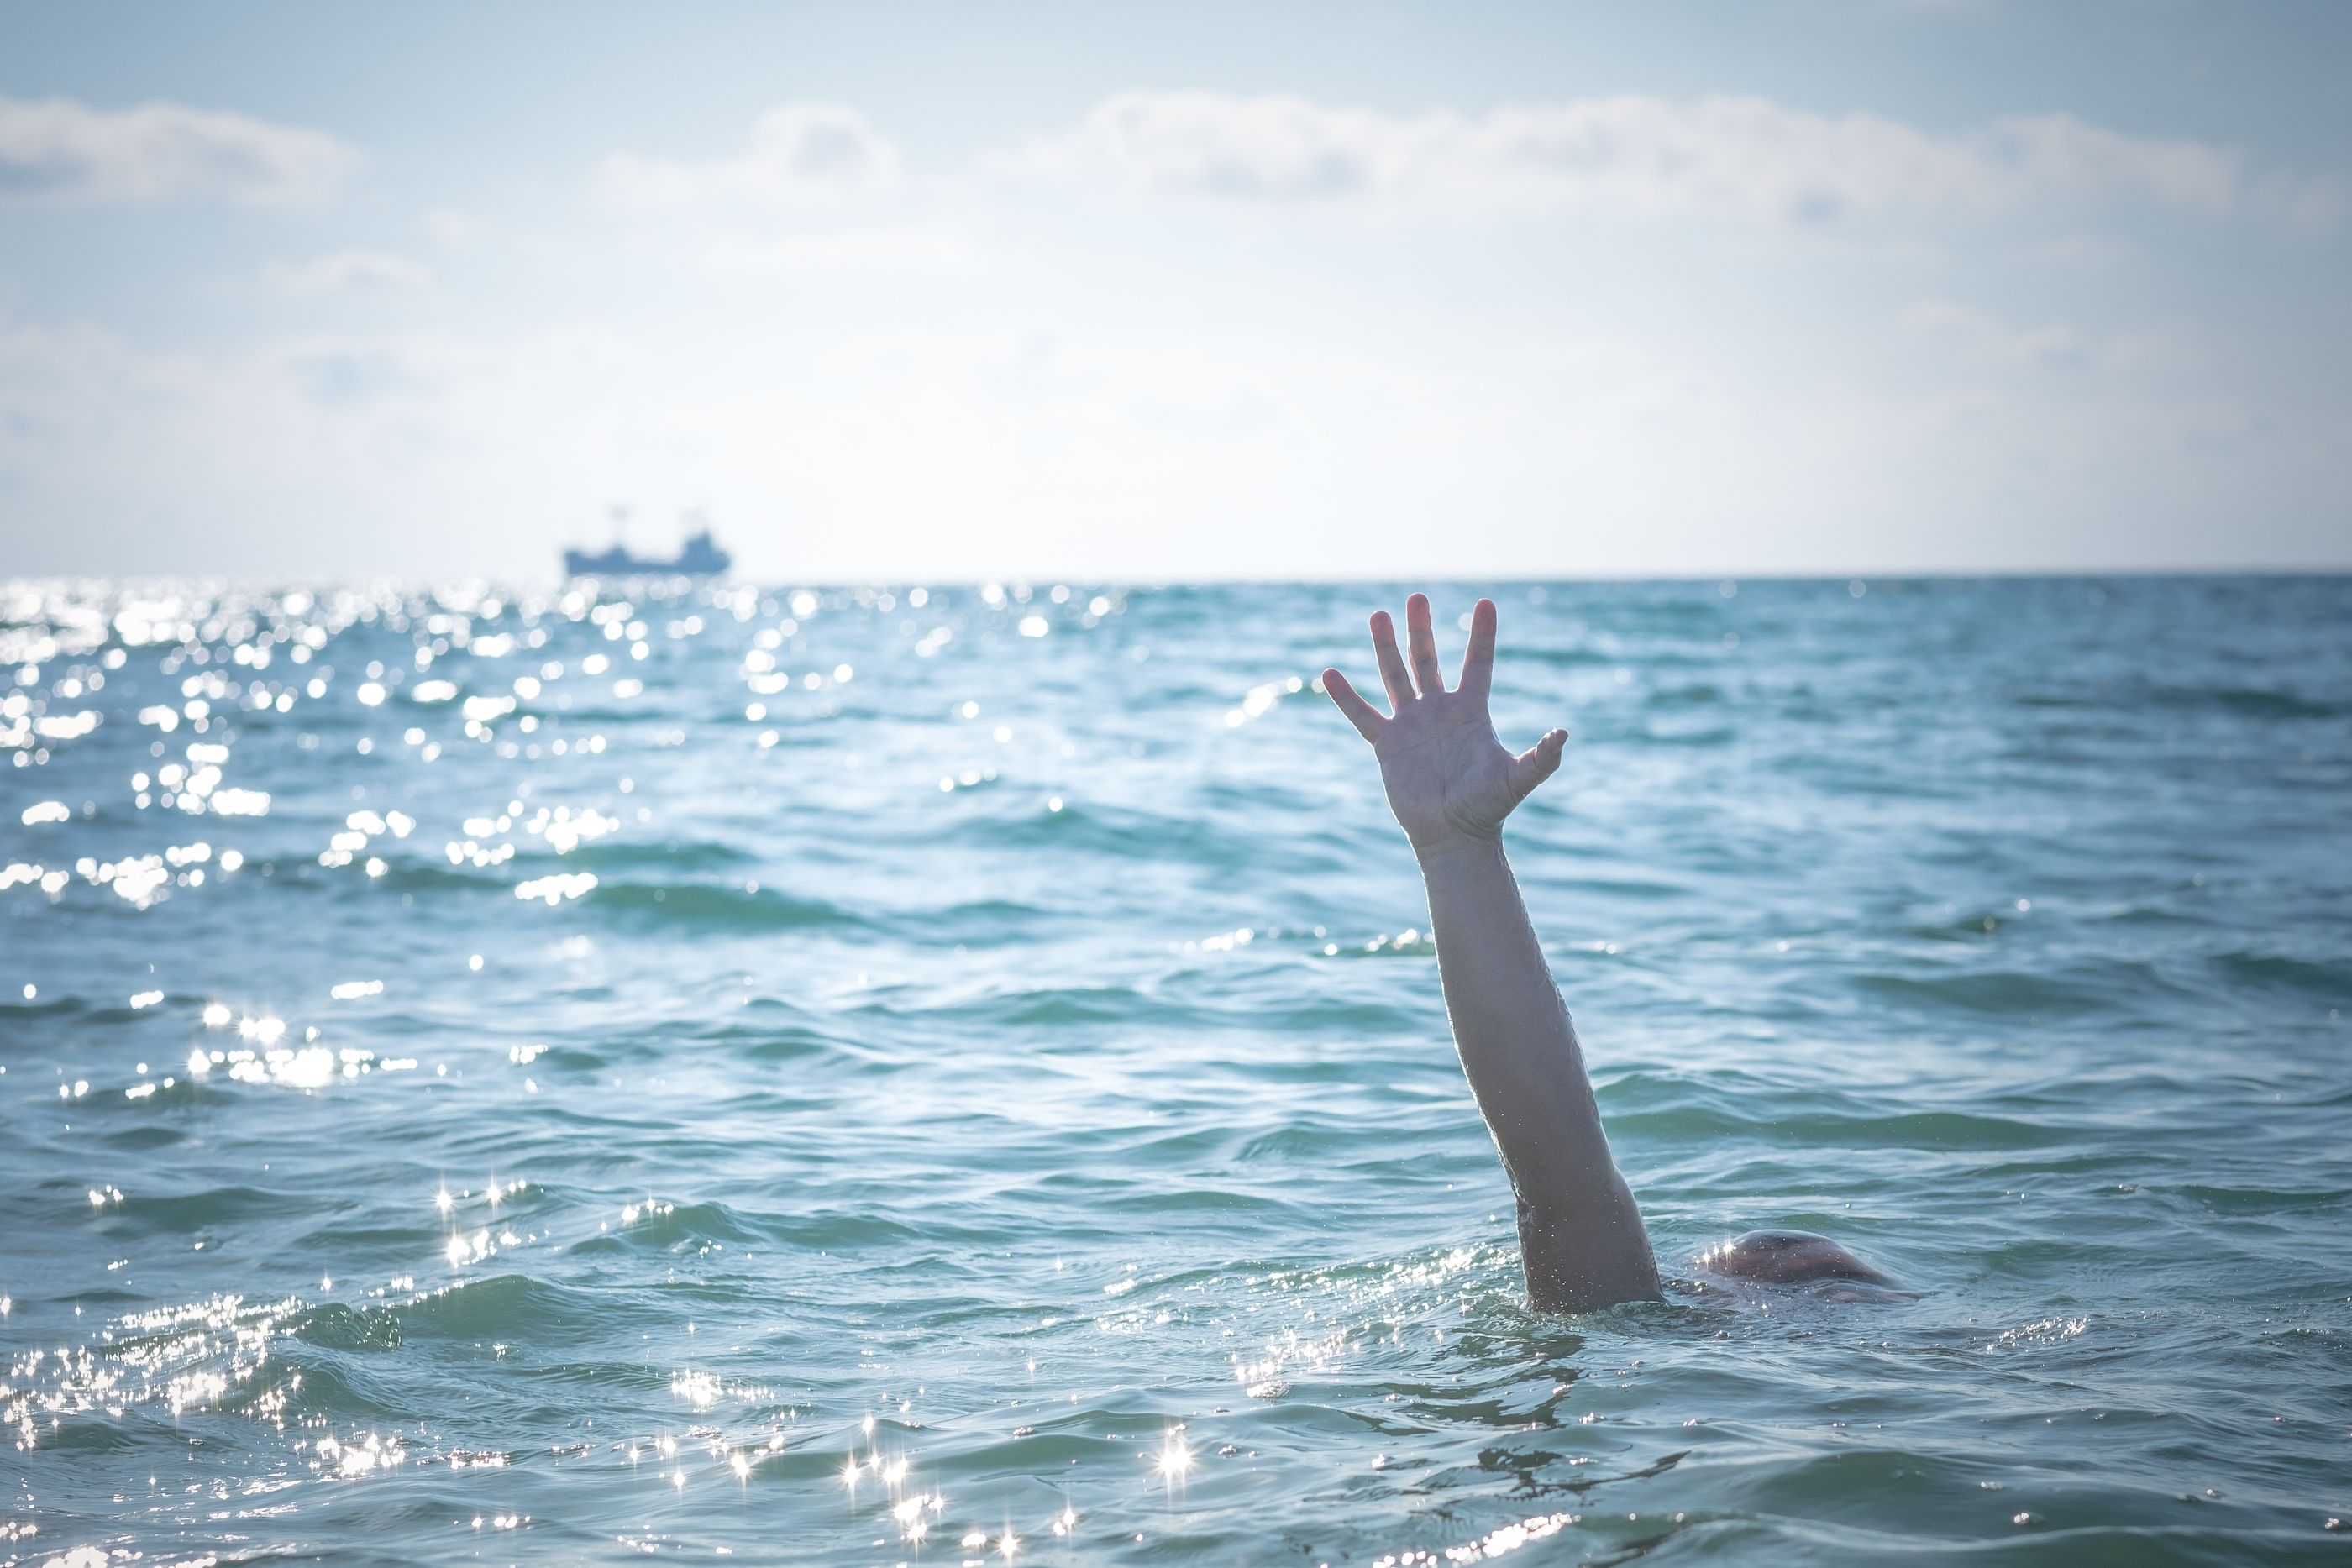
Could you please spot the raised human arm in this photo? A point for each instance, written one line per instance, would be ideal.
(1451, 783)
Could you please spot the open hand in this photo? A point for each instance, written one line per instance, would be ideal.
(1448, 777)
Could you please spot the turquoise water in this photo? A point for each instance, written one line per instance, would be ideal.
(853, 1077)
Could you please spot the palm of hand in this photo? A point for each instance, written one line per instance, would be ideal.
(1445, 770)
(1448, 776)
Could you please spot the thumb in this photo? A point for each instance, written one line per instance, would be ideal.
(1537, 763)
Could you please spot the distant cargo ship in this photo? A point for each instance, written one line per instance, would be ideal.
(701, 557)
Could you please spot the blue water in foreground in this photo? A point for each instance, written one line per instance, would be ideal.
(873, 1077)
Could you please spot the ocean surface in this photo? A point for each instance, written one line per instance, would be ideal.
(940, 1075)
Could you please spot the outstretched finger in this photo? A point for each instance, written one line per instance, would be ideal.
(1393, 676)
(1361, 713)
(1478, 661)
(1424, 642)
(1537, 763)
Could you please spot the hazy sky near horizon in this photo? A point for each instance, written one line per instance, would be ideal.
(1103, 292)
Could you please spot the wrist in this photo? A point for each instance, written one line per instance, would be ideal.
(1456, 846)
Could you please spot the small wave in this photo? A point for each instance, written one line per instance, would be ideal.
(2248, 702)
(716, 907)
(1206, 834)
(1042, 1006)
(781, 1043)
(2076, 989)
(2330, 982)
(1936, 1131)
(1688, 735)
(205, 1208)
(513, 1307)
(1566, 658)
(665, 1224)
(334, 1326)
(1072, 1004)
(674, 857)
(1973, 929)
(655, 1226)
(977, 922)
(1246, 1211)
(2235, 701)
(1690, 695)
(141, 1135)
(2241, 1200)
(89, 1436)
(408, 873)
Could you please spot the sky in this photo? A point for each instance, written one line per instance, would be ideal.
(1209, 291)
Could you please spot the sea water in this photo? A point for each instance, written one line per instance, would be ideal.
(934, 1074)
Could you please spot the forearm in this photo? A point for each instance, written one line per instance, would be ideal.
(1517, 1042)
(1580, 1232)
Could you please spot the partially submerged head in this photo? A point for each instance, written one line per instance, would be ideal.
(1786, 1258)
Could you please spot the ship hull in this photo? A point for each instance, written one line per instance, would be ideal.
(580, 563)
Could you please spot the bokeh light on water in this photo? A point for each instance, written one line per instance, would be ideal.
(954, 1074)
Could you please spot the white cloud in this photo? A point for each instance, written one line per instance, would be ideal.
(2056, 345)
(1632, 154)
(453, 228)
(2144, 356)
(2312, 203)
(799, 152)
(348, 272)
(885, 248)
(57, 150)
